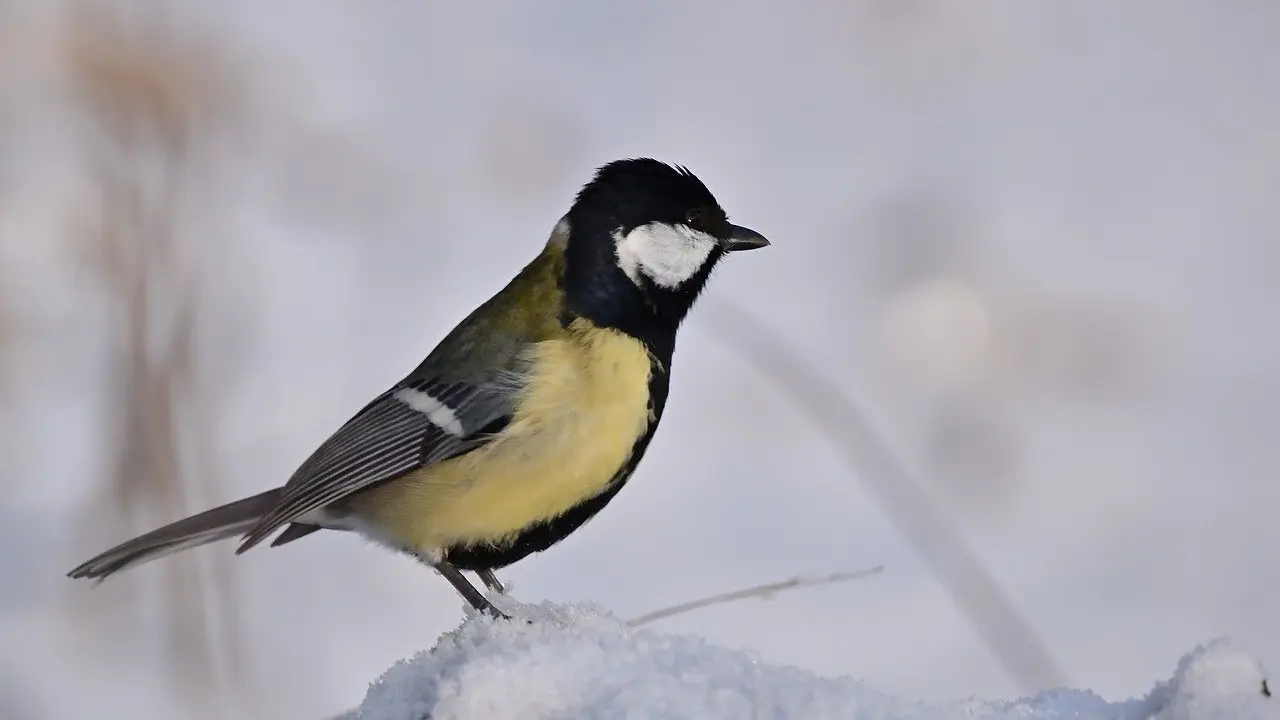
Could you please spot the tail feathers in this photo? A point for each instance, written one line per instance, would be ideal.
(219, 523)
(293, 532)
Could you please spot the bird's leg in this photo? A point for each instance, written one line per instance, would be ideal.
(467, 590)
(491, 581)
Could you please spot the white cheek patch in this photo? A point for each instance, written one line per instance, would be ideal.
(667, 255)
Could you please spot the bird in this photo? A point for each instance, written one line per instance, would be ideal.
(527, 418)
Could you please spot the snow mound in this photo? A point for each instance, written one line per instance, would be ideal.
(576, 662)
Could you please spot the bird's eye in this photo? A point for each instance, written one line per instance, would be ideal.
(694, 218)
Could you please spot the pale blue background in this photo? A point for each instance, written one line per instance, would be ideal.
(1084, 278)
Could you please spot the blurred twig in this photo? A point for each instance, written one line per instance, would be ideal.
(975, 591)
(149, 103)
(764, 592)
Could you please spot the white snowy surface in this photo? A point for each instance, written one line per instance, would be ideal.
(575, 662)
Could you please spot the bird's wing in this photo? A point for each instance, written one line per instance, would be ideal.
(461, 396)
(416, 423)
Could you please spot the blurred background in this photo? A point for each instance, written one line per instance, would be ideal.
(1034, 243)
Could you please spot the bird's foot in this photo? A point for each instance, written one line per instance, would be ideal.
(491, 581)
(468, 591)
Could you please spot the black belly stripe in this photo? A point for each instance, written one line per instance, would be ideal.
(543, 535)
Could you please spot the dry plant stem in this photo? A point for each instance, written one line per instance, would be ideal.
(149, 104)
(979, 597)
(763, 592)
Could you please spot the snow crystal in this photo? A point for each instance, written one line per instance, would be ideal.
(576, 662)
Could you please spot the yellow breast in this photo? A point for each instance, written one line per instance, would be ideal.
(578, 418)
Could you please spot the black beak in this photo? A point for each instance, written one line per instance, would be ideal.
(741, 238)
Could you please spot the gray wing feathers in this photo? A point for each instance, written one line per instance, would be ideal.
(389, 438)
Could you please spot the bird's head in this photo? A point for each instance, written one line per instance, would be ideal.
(642, 237)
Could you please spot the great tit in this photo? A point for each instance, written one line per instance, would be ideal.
(530, 415)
